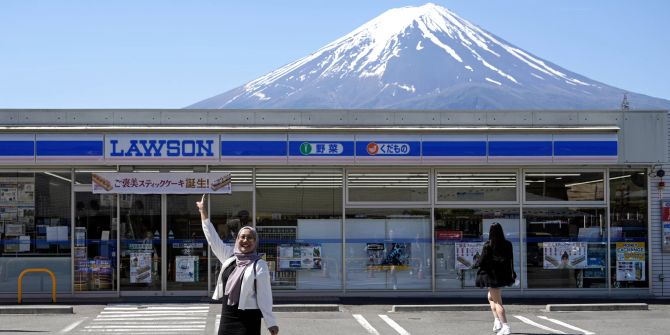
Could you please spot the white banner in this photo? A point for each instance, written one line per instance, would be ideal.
(162, 183)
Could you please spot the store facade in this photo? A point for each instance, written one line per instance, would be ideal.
(347, 203)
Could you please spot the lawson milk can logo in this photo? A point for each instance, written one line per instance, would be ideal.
(388, 148)
(307, 148)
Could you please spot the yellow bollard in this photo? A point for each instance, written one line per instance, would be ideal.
(53, 281)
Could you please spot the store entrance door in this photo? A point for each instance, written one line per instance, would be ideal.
(163, 248)
(140, 240)
(186, 255)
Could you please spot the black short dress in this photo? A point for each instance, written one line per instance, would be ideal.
(495, 266)
(235, 321)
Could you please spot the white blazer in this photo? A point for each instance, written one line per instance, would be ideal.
(261, 298)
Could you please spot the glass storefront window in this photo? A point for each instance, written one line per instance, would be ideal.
(629, 249)
(299, 222)
(388, 249)
(375, 186)
(35, 228)
(564, 186)
(459, 236)
(566, 247)
(95, 242)
(478, 186)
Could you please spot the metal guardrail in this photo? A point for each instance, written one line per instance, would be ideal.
(53, 281)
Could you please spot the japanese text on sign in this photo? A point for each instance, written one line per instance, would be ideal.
(161, 183)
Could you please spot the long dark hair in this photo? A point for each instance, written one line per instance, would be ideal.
(496, 235)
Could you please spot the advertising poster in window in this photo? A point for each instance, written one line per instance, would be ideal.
(299, 256)
(393, 255)
(375, 253)
(630, 258)
(186, 269)
(665, 222)
(17, 213)
(467, 254)
(140, 267)
(565, 255)
(25, 190)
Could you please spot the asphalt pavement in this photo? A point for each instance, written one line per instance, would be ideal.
(350, 319)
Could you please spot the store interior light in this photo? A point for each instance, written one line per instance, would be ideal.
(57, 176)
(596, 181)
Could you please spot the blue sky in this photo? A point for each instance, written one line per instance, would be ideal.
(172, 53)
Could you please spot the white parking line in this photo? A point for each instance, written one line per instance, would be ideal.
(72, 326)
(366, 325)
(394, 325)
(532, 323)
(566, 325)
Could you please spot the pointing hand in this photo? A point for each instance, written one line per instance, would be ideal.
(201, 203)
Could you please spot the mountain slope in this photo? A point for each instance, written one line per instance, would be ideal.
(424, 58)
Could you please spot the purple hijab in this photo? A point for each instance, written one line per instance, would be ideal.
(242, 260)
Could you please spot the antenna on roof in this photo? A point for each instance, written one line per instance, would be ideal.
(625, 105)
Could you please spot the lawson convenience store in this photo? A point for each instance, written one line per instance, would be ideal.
(347, 203)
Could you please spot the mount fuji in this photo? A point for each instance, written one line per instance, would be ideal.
(424, 57)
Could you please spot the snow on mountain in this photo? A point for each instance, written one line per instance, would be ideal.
(424, 57)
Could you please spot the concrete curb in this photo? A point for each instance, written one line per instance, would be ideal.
(597, 307)
(306, 308)
(36, 309)
(441, 308)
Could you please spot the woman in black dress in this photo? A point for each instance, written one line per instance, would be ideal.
(496, 271)
(243, 284)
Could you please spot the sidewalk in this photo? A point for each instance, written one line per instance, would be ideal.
(317, 304)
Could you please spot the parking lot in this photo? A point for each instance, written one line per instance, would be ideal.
(350, 319)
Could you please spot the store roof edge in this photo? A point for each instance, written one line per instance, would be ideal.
(304, 129)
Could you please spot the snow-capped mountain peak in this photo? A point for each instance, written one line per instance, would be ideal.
(424, 57)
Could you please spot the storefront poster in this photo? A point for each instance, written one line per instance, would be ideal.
(565, 255)
(630, 259)
(299, 256)
(162, 183)
(25, 188)
(665, 222)
(79, 236)
(140, 267)
(467, 254)
(384, 256)
(185, 266)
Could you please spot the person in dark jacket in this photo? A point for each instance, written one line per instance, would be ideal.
(496, 270)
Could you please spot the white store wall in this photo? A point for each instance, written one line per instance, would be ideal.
(660, 261)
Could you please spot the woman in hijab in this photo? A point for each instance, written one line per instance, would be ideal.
(244, 281)
(496, 270)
